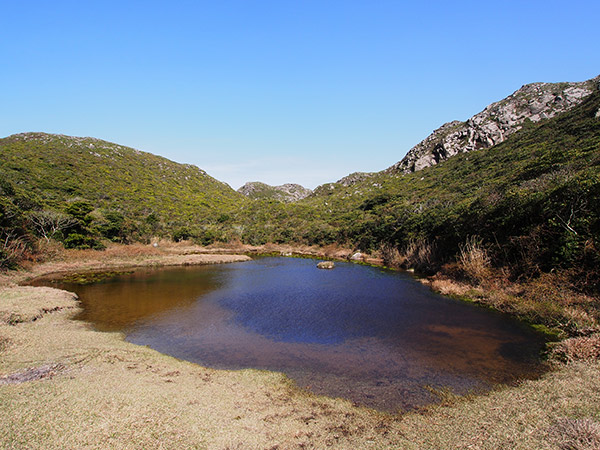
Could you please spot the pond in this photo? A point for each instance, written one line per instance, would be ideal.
(376, 337)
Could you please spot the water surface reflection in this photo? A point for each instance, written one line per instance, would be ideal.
(376, 337)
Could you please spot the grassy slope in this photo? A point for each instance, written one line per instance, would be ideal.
(534, 179)
(502, 193)
(57, 169)
(571, 140)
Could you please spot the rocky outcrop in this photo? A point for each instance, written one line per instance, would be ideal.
(285, 193)
(348, 180)
(354, 178)
(533, 102)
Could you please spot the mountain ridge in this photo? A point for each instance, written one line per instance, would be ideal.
(57, 170)
(497, 121)
(289, 192)
(491, 126)
(536, 191)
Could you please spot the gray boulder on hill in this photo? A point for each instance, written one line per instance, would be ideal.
(495, 123)
(285, 193)
(348, 180)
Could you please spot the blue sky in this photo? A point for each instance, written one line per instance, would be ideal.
(279, 91)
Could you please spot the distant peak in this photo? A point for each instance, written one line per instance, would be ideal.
(289, 192)
(533, 102)
(354, 178)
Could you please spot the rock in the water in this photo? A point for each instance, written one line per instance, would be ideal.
(326, 265)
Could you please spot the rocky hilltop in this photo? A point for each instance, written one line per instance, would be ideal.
(288, 192)
(533, 102)
(348, 180)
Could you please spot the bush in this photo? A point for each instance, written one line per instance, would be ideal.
(474, 260)
(391, 256)
(113, 226)
(182, 234)
(208, 237)
(420, 254)
(12, 250)
(80, 241)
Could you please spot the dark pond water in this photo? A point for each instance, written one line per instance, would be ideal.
(376, 337)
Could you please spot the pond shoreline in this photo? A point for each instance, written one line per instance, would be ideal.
(358, 332)
(81, 388)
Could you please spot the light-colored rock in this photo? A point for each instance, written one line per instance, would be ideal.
(288, 192)
(533, 102)
(354, 178)
(326, 265)
(358, 256)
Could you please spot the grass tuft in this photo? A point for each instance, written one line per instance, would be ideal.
(576, 434)
(584, 348)
(474, 259)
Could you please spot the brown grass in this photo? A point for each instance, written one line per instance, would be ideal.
(419, 254)
(584, 348)
(12, 250)
(117, 251)
(548, 300)
(391, 256)
(121, 256)
(72, 387)
(576, 434)
(474, 260)
(103, 392)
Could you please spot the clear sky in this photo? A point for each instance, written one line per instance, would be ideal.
(279, 91)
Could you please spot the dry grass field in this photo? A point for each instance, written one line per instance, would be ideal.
(64, 385)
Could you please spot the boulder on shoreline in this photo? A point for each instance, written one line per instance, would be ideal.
(326, 265)
(358, 256)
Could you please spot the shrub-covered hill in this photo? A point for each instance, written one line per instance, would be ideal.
(288, 192)
(531, 202)
(534, 200)
(116, 185)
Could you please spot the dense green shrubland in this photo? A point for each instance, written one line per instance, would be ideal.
(531, 203)
(82, 191)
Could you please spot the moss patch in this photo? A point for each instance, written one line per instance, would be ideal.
(83, 278)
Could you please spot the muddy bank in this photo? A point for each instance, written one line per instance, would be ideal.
(102, 261)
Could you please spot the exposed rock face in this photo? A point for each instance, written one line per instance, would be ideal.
(285, 193)
(348, 180)
(495, 123)
(354, 178)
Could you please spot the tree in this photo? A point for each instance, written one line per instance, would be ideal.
(48, 223)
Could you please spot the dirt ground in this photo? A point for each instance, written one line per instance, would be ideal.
(64, 385)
